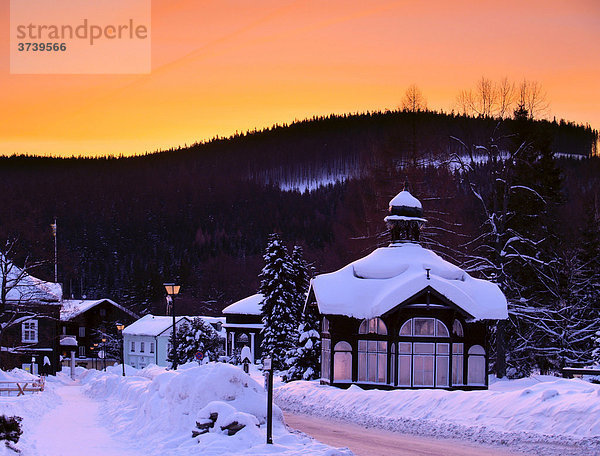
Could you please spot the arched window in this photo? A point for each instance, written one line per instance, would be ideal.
(373, 326)
(423, 363)
(342, 362)
(372, 354)
(476, 365)
(424, 327)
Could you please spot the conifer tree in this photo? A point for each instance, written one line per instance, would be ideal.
(279, 305)
(198, 336)
(304, 361)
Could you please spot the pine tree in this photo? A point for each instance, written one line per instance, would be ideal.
(198, 336)
(300, 272)
(304, 361)
(279, 305)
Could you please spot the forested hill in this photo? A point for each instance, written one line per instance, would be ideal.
(201, 214)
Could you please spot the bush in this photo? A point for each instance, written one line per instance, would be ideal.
(10, 428)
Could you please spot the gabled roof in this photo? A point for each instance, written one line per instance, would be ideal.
(24, 288)
(152, 325)
(248, 306)
(73, 307)
(379, 282)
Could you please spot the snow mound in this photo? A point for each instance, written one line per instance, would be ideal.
(539, 407)
(162, 407)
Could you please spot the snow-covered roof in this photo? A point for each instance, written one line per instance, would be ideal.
(375, 284)
(152, 325)
(404, 198)
(247, 306)
(68, 341)
(24, 288)
(73, 307)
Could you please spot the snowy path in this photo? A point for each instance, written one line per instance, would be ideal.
(74, 428)
(376, 442)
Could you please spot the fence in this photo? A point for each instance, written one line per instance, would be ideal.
(22, 387)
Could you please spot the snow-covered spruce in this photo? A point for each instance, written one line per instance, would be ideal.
(279, 307)
(198, 336)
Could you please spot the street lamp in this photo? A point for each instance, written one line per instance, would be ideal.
(97, 354)
(104, 353)
(172, 291)
(120, 327)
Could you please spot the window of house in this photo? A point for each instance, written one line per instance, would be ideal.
(29, 331)
(82, 331)
(151, 347)
(372, 361)
(424, 363)
(372, 354)
(457, 364)
(342, 362)
(82, 352)
(325, 358)
(325, 326)
(142, 347)
(373, 326)
(476, 365)
(132, 346)
(103, 312)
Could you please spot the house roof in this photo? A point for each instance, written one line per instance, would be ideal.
(152, 325)
(23, 287)
(247, 306)
(73, 307)
(377, 283)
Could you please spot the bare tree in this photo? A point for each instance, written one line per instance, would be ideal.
(498, 99)
(484, 99)
(505, 94)
(533, 98)
(414, 100)
(464, 101)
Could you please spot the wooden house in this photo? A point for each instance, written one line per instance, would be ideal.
(403, 317)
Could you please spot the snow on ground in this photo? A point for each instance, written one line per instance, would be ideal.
(512, 412)
(150, 412)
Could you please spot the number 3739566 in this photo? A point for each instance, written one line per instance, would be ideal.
(42, 47)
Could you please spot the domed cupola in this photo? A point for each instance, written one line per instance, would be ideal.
(406, 217)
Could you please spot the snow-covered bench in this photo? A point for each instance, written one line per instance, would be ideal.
(22, 387)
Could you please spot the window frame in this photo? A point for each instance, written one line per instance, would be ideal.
(30, 331)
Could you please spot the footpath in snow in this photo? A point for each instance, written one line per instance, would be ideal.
(74, 425)
(152, 412)
(540, 415)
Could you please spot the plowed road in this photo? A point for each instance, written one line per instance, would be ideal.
(375, 442)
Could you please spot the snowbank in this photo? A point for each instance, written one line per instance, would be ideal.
(534, 407)
(160, 408)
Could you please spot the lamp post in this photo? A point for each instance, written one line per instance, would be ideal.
(172, 291)
(104, 353)
(97, 354)
(120, 327)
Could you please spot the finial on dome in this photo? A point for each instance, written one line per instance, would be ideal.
(405, 217)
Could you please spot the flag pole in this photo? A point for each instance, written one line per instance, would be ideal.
(55, 252)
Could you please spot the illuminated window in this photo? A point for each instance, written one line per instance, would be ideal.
(342, 362)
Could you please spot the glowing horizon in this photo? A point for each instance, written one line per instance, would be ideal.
(233, 66)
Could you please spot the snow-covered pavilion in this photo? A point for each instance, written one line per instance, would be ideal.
(244, 325)
(403, 317)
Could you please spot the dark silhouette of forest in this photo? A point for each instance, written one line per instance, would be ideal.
(201, 215)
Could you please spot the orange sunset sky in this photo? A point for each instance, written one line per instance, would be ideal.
(221, 66)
